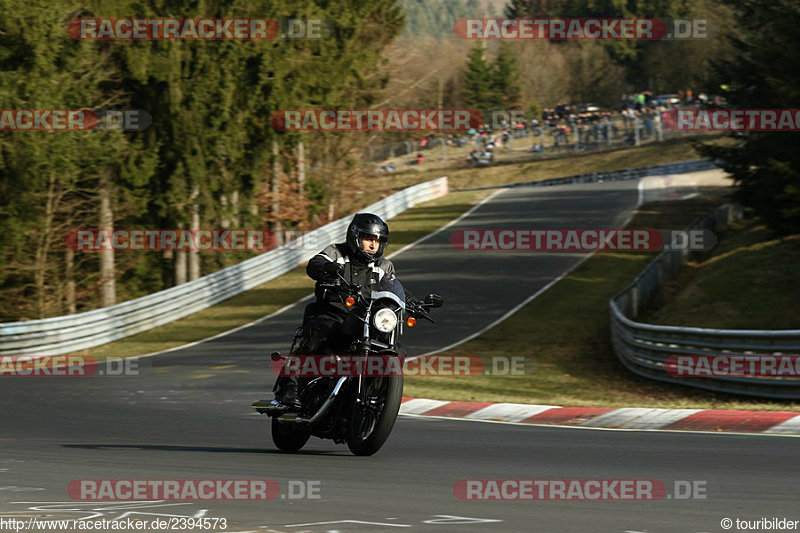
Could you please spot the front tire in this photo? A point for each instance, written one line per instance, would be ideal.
(367, 430)
(288, 438)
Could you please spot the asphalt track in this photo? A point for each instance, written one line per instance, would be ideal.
(188, 417)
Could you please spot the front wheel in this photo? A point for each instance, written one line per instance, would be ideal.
(288, 438)
(370, 424)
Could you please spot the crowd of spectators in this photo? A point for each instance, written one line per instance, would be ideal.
(569, 127)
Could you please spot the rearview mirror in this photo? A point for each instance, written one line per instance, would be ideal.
(434, 300)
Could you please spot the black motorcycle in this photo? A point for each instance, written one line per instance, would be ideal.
(358, 407)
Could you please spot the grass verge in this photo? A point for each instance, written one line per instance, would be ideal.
(750, 282)
(565, 338)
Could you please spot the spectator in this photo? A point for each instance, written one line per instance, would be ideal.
(639, 101)
(657, 123)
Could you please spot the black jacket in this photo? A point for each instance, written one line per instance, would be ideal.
(367, 275)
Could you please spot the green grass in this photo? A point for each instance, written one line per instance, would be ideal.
(750, 282)
(564, 336)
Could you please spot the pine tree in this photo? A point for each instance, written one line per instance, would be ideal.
(765, 74)
(506, 92)
(57, 181)
(477, 80)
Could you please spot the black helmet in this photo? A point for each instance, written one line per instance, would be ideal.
(367, 224)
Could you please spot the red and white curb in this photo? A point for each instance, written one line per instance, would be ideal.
(767, 422)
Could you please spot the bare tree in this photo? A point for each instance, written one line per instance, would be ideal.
(108, 287)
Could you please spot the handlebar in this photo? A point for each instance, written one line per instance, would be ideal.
(338, 283)
(341, 286)
(418, 308)
(415, 307)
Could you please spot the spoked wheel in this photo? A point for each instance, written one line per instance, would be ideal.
(287, 437)
(370, 425)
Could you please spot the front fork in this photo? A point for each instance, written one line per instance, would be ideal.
(361, 391)
(363, 349)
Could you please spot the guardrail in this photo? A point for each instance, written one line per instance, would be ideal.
(644, 348)
(613, 175)
(65, 334)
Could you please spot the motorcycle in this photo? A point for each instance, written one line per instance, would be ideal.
(358, 408)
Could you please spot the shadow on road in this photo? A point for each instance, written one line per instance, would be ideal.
(205, 449)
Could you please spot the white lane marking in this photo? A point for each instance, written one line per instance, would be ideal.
(234, 330)
(787, 427)
(454, 221)
(512, 412)
(100, 509)
(199, 514)
(453, 520)
(639, 418)
(536, 294)
(346, 522)
(507, 314)
(586, 428)
(420, 406)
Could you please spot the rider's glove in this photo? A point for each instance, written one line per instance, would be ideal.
(333, 269)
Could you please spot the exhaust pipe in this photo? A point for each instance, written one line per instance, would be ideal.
(292, 418)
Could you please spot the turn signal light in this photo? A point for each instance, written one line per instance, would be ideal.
(350, 301)
(411, 322)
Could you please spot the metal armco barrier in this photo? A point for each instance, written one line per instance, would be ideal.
(65, 334)
(682, 167)
(643, 348)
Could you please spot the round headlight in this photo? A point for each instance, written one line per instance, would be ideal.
(385, 320)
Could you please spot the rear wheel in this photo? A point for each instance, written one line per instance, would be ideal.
(287, 437)
(370, 424)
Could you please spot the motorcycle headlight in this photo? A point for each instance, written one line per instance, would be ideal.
(385, 320)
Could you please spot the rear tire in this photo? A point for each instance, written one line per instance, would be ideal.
(288, 438)
(392, 396)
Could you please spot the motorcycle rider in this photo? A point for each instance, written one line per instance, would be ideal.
(360, 261)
